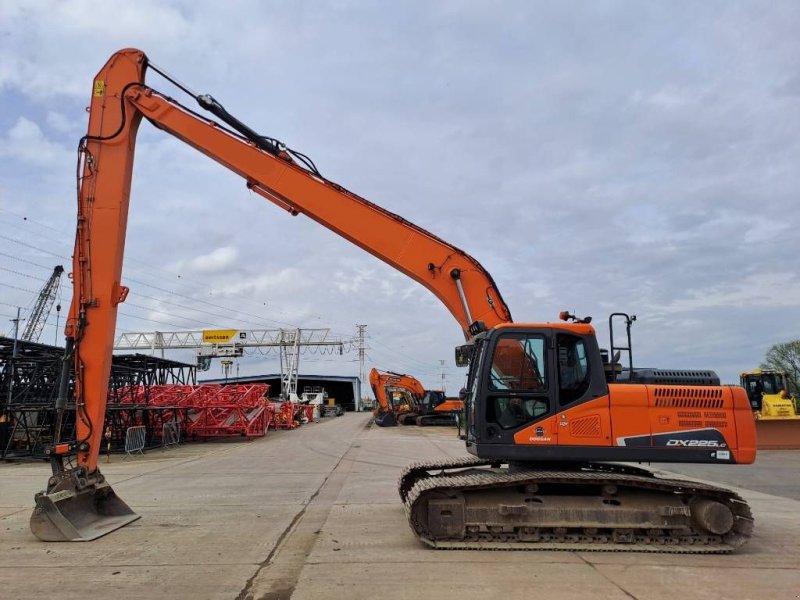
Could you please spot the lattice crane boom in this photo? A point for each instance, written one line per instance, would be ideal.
(41, 309)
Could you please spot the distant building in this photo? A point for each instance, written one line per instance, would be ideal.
(346, 390)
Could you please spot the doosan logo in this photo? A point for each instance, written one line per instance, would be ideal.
(701, 443)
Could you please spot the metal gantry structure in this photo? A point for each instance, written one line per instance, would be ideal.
(212, 343)
(203, 339)
(290, 363)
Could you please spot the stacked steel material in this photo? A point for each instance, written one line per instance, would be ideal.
(211, 410)
(33, 373)
(151, 406)
(214, 410)
(285, 415)
(229, 410)
(308, 412)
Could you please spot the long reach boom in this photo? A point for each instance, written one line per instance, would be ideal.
(120, 98)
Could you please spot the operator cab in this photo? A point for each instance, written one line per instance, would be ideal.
(400, 399)
(521, 375)
(431, 399)
(759, 383)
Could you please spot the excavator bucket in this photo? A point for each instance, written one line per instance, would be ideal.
(385, 419)
(71, 515)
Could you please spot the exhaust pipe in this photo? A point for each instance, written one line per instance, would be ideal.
(78, 508)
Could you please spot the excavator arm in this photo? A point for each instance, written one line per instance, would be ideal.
(120, 99)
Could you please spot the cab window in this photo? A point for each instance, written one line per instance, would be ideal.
(399, 399)
(512, 411)
(517, 388)
(518, 363)
(573, 368)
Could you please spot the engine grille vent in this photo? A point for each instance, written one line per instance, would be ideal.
(691, 397)
(585, 427)
(689, 414)
(710, 414)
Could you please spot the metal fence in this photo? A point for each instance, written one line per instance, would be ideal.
(135, 438)
(171, 434)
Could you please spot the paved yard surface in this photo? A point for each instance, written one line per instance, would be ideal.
(314, 513)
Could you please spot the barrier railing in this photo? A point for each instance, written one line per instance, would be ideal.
(135, 438)
(171, 434)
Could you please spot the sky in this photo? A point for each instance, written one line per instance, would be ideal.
(594, 156)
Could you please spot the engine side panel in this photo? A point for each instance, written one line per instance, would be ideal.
(642, 423)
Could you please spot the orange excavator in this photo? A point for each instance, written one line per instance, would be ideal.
(437, 409)
(547, 423)
(397, 395)
(403, 400)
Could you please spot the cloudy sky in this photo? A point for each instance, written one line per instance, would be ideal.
(594, 156)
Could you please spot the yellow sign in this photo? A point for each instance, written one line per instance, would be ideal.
(99, 87)
(218, 336)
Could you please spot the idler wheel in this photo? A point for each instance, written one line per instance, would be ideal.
(711, 515)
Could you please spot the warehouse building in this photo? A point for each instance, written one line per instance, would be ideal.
(345, 390)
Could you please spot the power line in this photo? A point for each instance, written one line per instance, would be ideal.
(29, 262)
(130, 316)
(160, 289)
(21, 243)
(409, 359)
(259, 321)
(20, 273)
(226, 319)
(173, 315)
(396, 365)
(138, 282)
(184, 281)
(16, 287)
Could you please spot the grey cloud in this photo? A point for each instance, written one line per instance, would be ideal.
(594, 156)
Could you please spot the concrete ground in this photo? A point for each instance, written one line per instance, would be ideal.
(314, 513)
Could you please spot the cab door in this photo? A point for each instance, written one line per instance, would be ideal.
(518, 396)
(582, 409)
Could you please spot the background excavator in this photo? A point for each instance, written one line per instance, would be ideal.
(403, 400)
(397, 396)
(543, 423)
(436, 408)
(776, 410)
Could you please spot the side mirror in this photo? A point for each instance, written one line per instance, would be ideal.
(462, 394)
(464, 355)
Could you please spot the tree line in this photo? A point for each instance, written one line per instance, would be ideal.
(786, 358)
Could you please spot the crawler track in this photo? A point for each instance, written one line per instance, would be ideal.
(469, 503)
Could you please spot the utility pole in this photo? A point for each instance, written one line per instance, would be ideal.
(441, 366)
(58, 315)
(13, 357)
(362, 354)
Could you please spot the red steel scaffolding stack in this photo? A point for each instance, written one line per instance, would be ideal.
(213, 410)
(229, 410)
